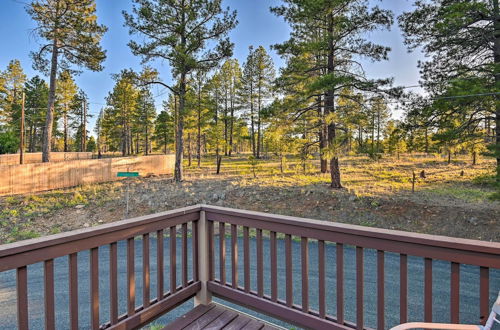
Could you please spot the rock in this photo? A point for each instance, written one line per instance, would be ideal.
(473, 221)
(222, 196)
(215, 197)
(80, 206)
(86, 225)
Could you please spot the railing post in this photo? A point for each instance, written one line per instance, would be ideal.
(203, 297)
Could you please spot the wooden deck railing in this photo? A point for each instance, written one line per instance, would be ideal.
(485, 255)
(19, 255)
(237, 256)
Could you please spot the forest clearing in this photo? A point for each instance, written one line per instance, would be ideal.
(377, 194)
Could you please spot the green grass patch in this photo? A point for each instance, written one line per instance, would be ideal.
(468, 194)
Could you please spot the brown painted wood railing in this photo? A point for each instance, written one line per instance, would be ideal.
(249, 282)
(485, 255)
(19, 255)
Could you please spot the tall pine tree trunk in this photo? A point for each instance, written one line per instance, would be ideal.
(231, 126)
(49, 119)
(198, 133)
(496, 58)
(330, 108)
(323, 137)
(189, 150)
(65, 121)
(258, 123)
(179, 141)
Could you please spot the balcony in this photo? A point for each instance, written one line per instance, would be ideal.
(286, 270)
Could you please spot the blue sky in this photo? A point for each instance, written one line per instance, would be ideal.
(257, 26)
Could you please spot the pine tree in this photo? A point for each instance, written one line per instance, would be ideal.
(37, 93)
(335, 31)
(122, 106)
(11, 90)
(248, 94)
(144, 118)
(164, 131)
(461, 38)
(230, 77)
(180, 32)
(79, 120)
(66, 91)
(73, 36)
(258, 79)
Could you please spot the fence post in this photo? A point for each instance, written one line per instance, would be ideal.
(203, 297)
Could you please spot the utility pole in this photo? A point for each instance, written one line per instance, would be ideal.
(84, 126)
(21, 140)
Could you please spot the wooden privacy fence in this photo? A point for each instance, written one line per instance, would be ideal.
(30, 178)
(239, 273)
(36, 157)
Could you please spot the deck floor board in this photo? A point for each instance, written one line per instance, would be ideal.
(217, 317)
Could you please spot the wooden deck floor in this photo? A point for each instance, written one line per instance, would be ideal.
(215, 317)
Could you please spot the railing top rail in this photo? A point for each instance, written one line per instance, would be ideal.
(108, 232)
(27, 246)
(385, 234)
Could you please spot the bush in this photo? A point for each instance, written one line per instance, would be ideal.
(9, 143)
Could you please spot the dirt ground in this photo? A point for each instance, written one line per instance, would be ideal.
(443, 206)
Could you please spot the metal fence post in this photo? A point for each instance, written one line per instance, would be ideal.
(203, 297)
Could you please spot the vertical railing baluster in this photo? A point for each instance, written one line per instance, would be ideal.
(22, 297)
(321, 279)
(234, 256)
(222, 252)
(304, 249)
(289, 270)
(484, 293)
(130, 276)
(274, 267)
(211, 252)
(403, 288)
(184, 255)
(113, 282)
(428, 290)
(73, 290)
(145, 271)
(380, 289)
(455, 293)
(173, 259)
(246, 258)
(194, 247)
(340, 282)
(359, 288)
(94, 288)
(260, 264)
(49, 294)
(159, 265)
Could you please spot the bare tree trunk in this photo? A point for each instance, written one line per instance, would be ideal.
(179, 140)
(496, 24)
(65, 123)
(258, 123)
(146, 142)
(198, 136)
(330, 108)
(323, 137)
(49, 119)
(231, 128)
(426, 135)
(226, 136)
(84, 127)
(189, 150)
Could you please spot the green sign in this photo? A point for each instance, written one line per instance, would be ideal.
(127, 174)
